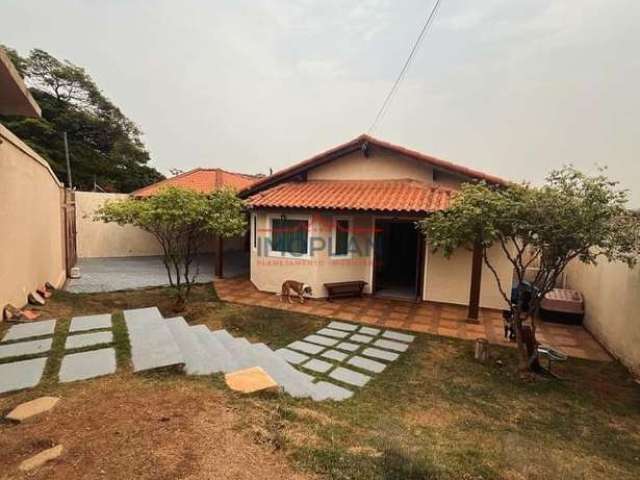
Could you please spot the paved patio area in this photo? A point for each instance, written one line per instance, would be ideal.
(435, 318)
(120, 273)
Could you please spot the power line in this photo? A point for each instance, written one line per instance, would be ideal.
(396, 84)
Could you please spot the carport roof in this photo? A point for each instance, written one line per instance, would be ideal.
(15, 98)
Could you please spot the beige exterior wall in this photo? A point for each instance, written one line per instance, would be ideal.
(32, 239)
(612, 306)
(448, 279)
(268, 271)
(379, 165)
(99, 239)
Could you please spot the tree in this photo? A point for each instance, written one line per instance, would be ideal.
(105, 146)
(181, 220)
(540, 230)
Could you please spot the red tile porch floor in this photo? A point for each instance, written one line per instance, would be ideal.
(435, 318)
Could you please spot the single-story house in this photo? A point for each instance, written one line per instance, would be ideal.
(349, 213)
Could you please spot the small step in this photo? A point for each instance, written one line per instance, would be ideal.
(152, 344)
(194, 355)
(218, 358)
(237, 348)
(294, 382)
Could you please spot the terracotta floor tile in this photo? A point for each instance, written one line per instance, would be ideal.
(424, 319)
(434, 318)
(447, 332)
(449, 324)
(421, 328)
(393, 324)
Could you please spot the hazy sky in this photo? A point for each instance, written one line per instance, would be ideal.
(511, 87)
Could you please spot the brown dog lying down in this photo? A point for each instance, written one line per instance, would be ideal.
(299, 288)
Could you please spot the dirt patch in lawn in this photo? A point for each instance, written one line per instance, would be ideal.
(136, 427)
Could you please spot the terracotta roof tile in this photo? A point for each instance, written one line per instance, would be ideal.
(204, 180)
(379, 195)
(357, 143)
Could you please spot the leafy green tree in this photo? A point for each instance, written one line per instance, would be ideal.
(540, 230)
(105, 146)
(181, 220)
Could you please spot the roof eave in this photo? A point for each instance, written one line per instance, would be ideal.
(15, 98)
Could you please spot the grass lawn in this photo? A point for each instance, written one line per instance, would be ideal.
(433, 414)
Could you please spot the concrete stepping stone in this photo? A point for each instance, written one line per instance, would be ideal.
(250, 380)
(28, 330)
(19, 375)
(360, 338)
(32, 347)
(317, 365)
(292, 357)
(90, 322)
(148, 313)
(369, 331)
(152, 344)
(305, 347)
(88, 339)
(402, 337)
(334, 355)
(85, 365)
(30, 409)
(330, 332)
(295, 383)
(189, 345)
(347, 327)
(242, 353)
(218, 358)
(349, 347)
(391, 345)
(328, 391)
(366, 364)
(41, 458)
(237, 357)
(346, 375)
(380, 354)
(320, 340)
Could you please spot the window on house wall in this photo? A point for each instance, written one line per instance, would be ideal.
(342, 237)
(290, 236)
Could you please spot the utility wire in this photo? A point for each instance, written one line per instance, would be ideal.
(396, 84)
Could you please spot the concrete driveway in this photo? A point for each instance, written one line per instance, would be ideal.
(122, 273)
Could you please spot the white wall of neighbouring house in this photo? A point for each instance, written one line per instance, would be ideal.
(611, 293)
(32, 222)
(97, 239)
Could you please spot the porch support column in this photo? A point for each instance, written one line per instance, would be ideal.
(476, 279)
(219, 255)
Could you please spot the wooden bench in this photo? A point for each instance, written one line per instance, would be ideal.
(344, 289)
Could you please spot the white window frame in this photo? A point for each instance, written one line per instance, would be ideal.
(334, 231)
(278, 254)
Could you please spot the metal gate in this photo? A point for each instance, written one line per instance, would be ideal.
(69, 208)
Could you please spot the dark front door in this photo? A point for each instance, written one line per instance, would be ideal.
(396, 258)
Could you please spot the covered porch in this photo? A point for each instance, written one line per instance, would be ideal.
(428, 317)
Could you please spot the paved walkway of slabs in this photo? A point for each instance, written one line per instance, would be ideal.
(347, 353)
(328, 365)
